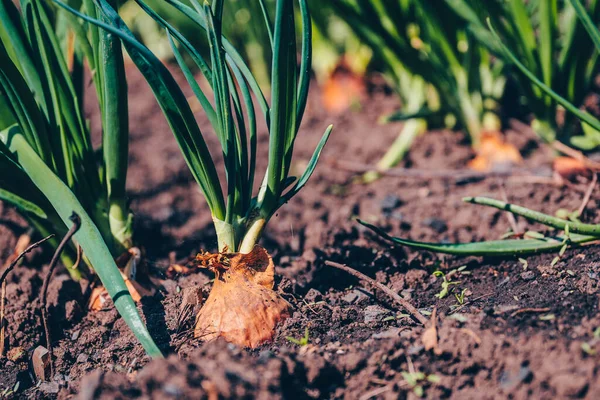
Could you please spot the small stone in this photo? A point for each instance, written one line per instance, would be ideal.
(354, 297)
(49, 387)
(390, 203)
(374, 314)
(313, 295)
(16, 354)
(509, 381)
(264, 356)
(569, 385)
(75, 334)
(172, 390)
(527, 275)
(388, 334)
(83, 358)
(414, 350)
(436, 224)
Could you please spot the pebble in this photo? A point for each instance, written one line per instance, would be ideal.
(527, 275)
(569, 385)
(354, 296)
(172, 390)
(436, 224)
(388, 334)
(509, 381)
(390, 203)
(414, 350)
(83, 358)
(49, 387)
(374, 314)
(313, 295)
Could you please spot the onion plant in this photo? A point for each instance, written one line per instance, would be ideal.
(250, 38)
(242, 306)
(49, 167)
(432, 63)
(574, 231)
(548, 39)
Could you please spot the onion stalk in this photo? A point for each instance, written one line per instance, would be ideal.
(49, 167)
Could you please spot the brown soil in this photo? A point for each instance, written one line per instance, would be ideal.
(525, 331)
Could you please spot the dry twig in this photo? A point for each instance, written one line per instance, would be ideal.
(395, 296)
(360, 168)
(44, 297)
(11, 263)
(530, 310)
(510, 216)
(588, 194)
(468, 303)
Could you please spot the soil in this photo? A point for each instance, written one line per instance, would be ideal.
(526, 329)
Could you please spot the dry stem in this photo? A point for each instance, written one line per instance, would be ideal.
(395, 296)
(11, 263)
(588, 194)
(76, 224)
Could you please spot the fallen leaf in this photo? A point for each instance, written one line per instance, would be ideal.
(41, 363)
(430, 335)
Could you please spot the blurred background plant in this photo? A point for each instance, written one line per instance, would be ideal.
(551, 42)
(252, 39)
(574, 231)
(442, 76)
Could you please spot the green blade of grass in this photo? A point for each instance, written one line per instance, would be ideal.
(554, 222)
(90, 239)
(12, 35)
(548, 11)
(20, 103)
(189, 76)
(250, 112)
(510, 247)
(265, 13)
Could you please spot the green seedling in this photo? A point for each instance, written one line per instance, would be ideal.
(446, 284)
(460, 297)
(303, 341)
(396, 317)
(415, 381)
